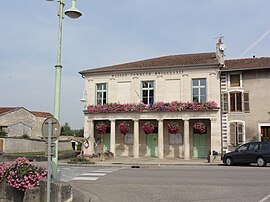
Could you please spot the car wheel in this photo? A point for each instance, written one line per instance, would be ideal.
(261, 162)
(229, 161)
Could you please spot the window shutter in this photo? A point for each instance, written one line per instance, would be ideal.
(232, 133)
(246, 102)
(225, 102)
(240, 133)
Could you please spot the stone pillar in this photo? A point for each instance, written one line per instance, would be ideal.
(136, 139)
(160, 139)
(215, 139)
(186, 139)
(89, 135)
(112, 137)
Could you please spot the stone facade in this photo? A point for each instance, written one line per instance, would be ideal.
(246, 82)
(173, 78)
(18, 121)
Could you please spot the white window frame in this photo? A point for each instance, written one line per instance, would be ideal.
(259, 129)
(102, 91)
(148, 91)
(199, 87)
(229, 80)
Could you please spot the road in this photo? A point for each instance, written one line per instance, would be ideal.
(185, 183)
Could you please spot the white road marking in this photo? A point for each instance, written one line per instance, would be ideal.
(102, 171)
(85, 178)
(265, 198)
(94, 174)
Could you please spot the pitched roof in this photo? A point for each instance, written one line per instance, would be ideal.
(165, 61)
(246, 64)
(4, 110)
(42, 114)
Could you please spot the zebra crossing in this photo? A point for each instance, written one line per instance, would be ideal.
(71, 174)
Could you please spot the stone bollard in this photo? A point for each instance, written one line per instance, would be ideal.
(32, 195)
(60, 191)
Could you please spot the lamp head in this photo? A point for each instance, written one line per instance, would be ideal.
(73, 12)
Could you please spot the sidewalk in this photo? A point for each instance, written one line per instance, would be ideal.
(147, 161)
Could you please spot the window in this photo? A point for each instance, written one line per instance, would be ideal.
(265, 133)
(264, 146)
(128, 139)
(235, 80)
(236, 133)
(199, 90)
(148, 92)
(236, 102)
(243, 148)
(101, 93)
(253, 146)
(175, 139)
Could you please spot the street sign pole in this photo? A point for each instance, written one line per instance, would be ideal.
(49, 160)
(50, 130)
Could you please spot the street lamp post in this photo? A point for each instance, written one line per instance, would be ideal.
(73, 13)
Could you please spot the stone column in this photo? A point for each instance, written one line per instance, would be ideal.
(112, 136)
(160, 139)
(186, 139)
(89, 135)
(136, 139)
(215, 139)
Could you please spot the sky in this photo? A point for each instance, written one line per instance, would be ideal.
(113, 32)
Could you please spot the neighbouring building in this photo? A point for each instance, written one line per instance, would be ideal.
(18, 121)
(163, 107)
(245, 101)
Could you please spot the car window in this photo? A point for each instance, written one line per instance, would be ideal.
(264, 145)
(243, 148)
(253, 146)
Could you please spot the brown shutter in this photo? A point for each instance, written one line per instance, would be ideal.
(246, 102)
(240, 133)
(224, 102)
(232, 133)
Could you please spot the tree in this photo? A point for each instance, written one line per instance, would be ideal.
(66, 130)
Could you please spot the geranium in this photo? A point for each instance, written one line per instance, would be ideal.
(101, 128)
(173, 127)
(3, 168)
(148, 127)
(159, 106)
(199, 127)
(123, 127)
(22, 175)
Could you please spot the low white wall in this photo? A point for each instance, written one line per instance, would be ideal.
(17, 145)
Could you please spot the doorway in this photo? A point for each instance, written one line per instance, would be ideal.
(152, 145)
(200, 145)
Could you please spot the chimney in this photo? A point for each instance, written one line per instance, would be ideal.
(220, 48)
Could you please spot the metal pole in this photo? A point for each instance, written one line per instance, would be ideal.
(49, 161)
(58, 70)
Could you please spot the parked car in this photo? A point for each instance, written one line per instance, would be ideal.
(253, 152)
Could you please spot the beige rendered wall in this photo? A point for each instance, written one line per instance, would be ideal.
(256, 83)
(167, 78)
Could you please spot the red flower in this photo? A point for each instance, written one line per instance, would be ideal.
(199, 127)
(148, 127)
(101, 128)
(123, 127)
(173, 127)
